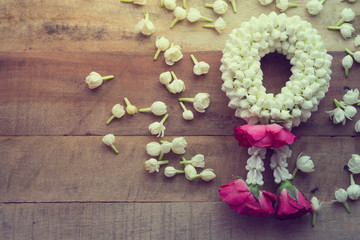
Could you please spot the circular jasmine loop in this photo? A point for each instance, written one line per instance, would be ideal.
(243, 77)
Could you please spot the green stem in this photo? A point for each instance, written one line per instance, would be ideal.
(173, 75)
(146, 16)
(294, 173)
(346, 72)
(209, 5)
(174, 22)
(195, 176)
(114, 148)
(234, 6)
(208, 26)
(184, 4)
(164, 119)
(186, 99)
(163, 162)
(126, 1)
(183, 106)
(333, 27)
(157, 54)
(338, 104)
(292, 5)
(162, 3)
(206, 19)
(127, 101)
(145, 110)
(110, 119)
(349, 51)
(168, 87)
(180, 171)
(194, 59)
(184, 161)
(108, 77)
(313, 219)
(352, 182)
(341, 21)
(346, 205)
(161, 156)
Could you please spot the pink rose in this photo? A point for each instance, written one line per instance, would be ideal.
(292, 203)
(266, 136)
(247, 200)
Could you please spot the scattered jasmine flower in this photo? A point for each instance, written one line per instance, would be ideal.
(173, 54)
(171, 171)
(346, 29)
(199, 67)
(177, 85)
(153, 148)
(194, 15)
(130, 109)
(169, 4)
(341, 196)
(180, 14)
(284, 4)
(158, 128)
(357, 126)
(315, 6)
(95, 80)
(304, 163)
(165, 79)
(178, 145)
(357, 41)
(219, 25)
(351, 97)
(162, 44)
(200, 102)
(347, 15)
(353, 190)
(233, 4)
(355, 55)
(138, 2)
(337, 115)
(158, 108)
(219, 6)
(316, 206)
(109, 140)
(347, 63)
(187, 114)
(354, 164)
(206, 175)
(265, 2)
(152, 165)
(197, 161)
(145, 26)
(190, 171)
(117, 112)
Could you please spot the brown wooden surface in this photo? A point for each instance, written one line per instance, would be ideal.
(59, 181)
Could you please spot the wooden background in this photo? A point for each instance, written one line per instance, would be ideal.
(59, 181)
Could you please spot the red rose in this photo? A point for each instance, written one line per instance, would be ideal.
(266, 136)
(247, 200)
(292, 203)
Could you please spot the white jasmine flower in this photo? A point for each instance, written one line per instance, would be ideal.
(187, 114)
(305, 164)
(347, 63)
(173, 54)
(178, 145)
(199, 67)
(284, 4)
(355, 55)
(152, 165)
(219, 25)
(162, 44)
(353, 190)
(190, 171)
(316, 206)
(117, 112)
(153, 149)
(176, 86)
(145, 26)
(171, 171)
(351, 97)
(109, 140)
(314, 6)
(165, 79)
(130, 109)
(95, 80)
(158, 128)
(265, 2)
(347, 15)
(206, 175)
(138, 2)
(357, 126)
(219, 6)
(170, 4)
(354, 164)
(357, 41)
(201, 101)
(180, 14)
(346, 29)
(341, 196)
(337, 115)
(197, 161)
(350, 111)
(194, 15)
(158, 108)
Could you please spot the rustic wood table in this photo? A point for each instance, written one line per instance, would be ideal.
(59, 181)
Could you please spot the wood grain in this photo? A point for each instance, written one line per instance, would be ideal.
(45, 94)
(189, 220)
(57, 169)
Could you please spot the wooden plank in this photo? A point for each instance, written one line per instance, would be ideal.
(45, 94)
(66, 169)
(98, 26)
(188, 220)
